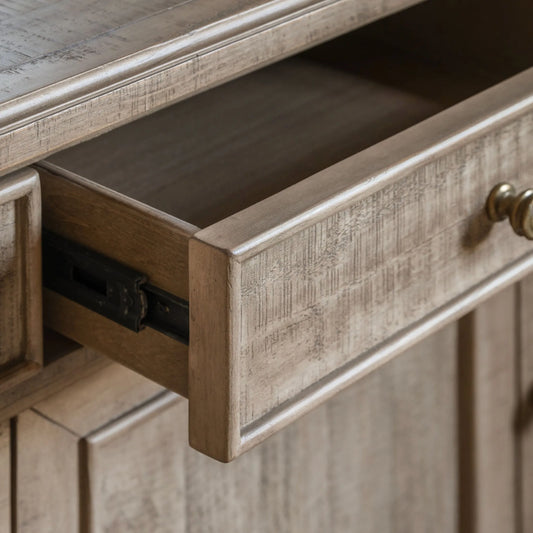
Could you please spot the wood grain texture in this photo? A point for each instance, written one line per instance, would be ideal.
(175, 162)
(5, 476)
(215, 154)
(12, 328)
(97, 399)
(334, 266)
(47, 498)
(380, 457)
(135, 235)
(134, 469)
(118, 64)
(65, 362)
(20, 277)
(524, 424)
(487, 413)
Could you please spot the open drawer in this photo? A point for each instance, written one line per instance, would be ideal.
(312, 219)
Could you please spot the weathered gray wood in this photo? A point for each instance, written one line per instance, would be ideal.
(47, 497)
(379, 458)
(175, 161)
(524, 419)
(5, 476)
(12, 296)
(134, 470)
(339, 263)
(98, 399)
(289, 269)
(487, 372)
(65, 362)
(62, 81)
(20, 277)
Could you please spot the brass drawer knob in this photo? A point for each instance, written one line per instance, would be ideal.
(503, 202)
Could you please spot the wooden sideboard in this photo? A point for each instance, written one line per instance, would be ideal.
(284, 245)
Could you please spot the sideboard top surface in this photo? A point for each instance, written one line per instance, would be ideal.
(71, 69)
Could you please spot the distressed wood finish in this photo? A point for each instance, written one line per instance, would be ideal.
(5, 476)
(65, 362)
(375, 249)
(524, 419)
(487, 356)
(50, 458)
(310, 282)
(47, 497)
(134, 473)
(396, 451)
(118, 63)
(97, 399)
(174, 161)
(20, 277)
(133, 234)
(424, 443)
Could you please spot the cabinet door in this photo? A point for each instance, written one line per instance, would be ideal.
(425, 443)
(378, 458)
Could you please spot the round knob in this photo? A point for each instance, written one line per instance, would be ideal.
(503, 202)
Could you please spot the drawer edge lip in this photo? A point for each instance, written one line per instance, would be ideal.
(19, 183)
(259, 226)
(178, 223)
(338, 380)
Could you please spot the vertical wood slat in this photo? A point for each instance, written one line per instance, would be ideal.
(46, 476)
(378, 458)
(50, 449)
(5, 477)
(487, 399)
(134, 474)
(525, 414)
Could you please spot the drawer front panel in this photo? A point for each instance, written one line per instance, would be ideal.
(298, 296)
(20, 274)
(346, 284)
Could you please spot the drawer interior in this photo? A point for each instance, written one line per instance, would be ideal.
(208, 157)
